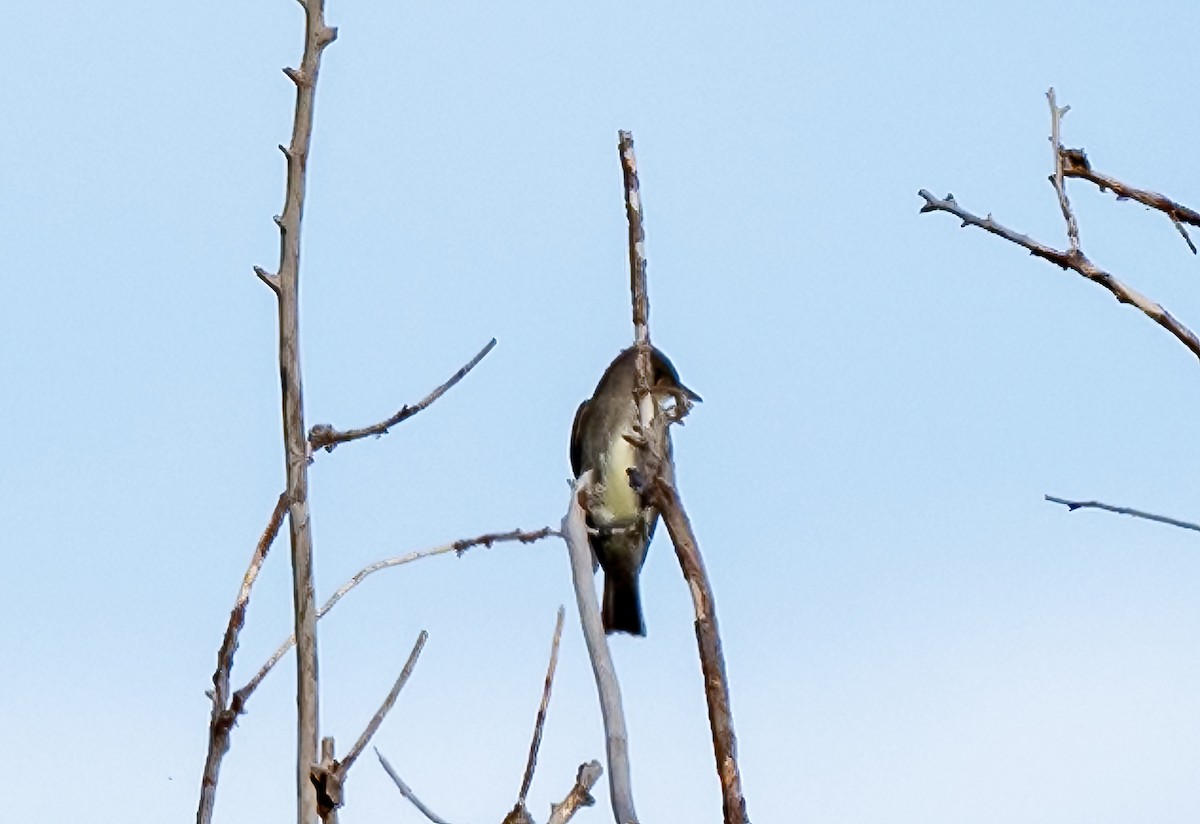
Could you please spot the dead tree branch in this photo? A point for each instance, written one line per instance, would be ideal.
(324, 436)
(460, 546)
(327, 784)
(1066, 164)
(1056, 116)
(540, 723)
(1123, 510)
(665, 498)
(1077, 262)
(361, 744)
(407, 792)
(574, 532)
(1075, 164)
(708, 638)
(579, 795)
(285, 284)
(224, 715)
(329, 777)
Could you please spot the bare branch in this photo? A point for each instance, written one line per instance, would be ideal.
(574, 531)
(1123, 510)
(1056, 115)
(269, 278)
(658, 480)
(531, 763)
(224, 716)
(1075, 164)
(1075, 261)
(407, 792)
(708, 638)
(317, 36)
(361, 744)
(460, 546)
(637, 238)
(324, 436)
(326, 780)
(579, 795)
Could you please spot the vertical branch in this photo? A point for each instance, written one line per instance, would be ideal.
(1056, 116)
(637, 238)
(664, 497)
(285, 283)
(637, 274)
(574, 530)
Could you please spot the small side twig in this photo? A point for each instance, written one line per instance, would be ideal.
(531, 763)
(407, 792)
(1056, 116)
(224, 715)
(324, 436)
(460, 546)
(361, 744)
(1123, 510)
(1077, 262)
(1075, 164)
(574, 532)
(579, 796)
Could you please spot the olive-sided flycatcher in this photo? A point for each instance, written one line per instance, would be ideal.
(622, 523)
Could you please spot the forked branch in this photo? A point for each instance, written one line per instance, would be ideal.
(1077, 262)
(1072, 163)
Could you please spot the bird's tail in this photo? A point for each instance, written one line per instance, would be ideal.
(622, 610)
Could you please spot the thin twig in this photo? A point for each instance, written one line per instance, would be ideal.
(460, 546)
(361, 744)
(1123, 510)
(1076, 164)
(1075, 261)
(407, 792)
(579, 796)
(317, 36)
(531, 763)
(1056, 116)
(324, 436)
(574, 532)
(225, 716)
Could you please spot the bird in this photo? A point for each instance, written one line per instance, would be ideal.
(621, 522)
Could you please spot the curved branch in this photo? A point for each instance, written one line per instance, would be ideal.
(574, 532)
(460, 546)
(324, 436)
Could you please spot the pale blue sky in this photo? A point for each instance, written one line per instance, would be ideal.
(912, 635)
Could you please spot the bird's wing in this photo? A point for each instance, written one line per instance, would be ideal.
(577, 438)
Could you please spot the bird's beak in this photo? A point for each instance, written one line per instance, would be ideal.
(691, 396)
